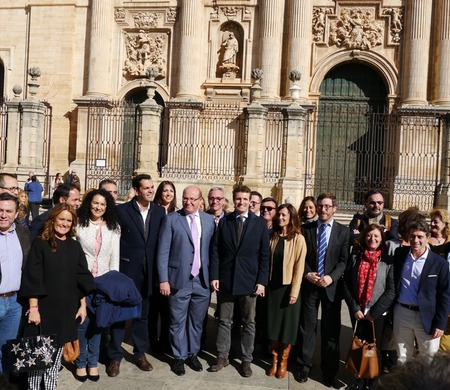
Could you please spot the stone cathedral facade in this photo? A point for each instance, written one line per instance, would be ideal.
(291, 97)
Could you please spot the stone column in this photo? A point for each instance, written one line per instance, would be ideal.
(13, 132)
(299, 47)
(191, 37)
(416, 57)
(148, 148)
(257, 118)
(292, 183)
(271, 44)
(101, 34)
(441, 79)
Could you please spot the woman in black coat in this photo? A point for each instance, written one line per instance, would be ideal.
(55, 281)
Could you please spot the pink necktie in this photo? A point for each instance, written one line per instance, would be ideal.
(194, 231)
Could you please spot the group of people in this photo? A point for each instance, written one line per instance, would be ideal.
(272, 266)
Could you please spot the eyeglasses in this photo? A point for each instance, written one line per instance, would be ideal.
(267, 208)
(212, 199)
(325, 206)
(192, 200)
(253, 203)
(373, 203)
(11, 188)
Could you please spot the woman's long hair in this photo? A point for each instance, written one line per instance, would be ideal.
(110, 216)
(48, 230)
(293, 227)
(23, 207)
(158, 196)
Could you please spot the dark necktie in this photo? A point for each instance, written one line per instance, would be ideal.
(240, 228)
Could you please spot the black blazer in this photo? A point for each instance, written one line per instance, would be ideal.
(335, 259)
(137, 251)
(240, 267)
(434, 288)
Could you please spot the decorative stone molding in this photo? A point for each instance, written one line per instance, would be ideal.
(171, 15)
(361, 28)
(119, 14)
(146, 19)
(145, 49)
(230, 13)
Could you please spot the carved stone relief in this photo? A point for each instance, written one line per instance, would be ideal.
(146, 20)
(171, 15)
(119, 14)
(145, 49)
(361, 28)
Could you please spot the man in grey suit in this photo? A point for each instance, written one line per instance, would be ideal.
(183, 259)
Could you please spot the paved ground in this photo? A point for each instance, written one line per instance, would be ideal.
(161, 377)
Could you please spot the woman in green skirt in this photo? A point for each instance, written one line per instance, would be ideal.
(287, 263)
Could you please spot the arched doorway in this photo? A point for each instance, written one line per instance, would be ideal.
(350, 141)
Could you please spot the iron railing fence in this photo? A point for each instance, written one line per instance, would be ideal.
(3, 131)
(275, 144)
(46, 144)
(113, 136)
(350, 150)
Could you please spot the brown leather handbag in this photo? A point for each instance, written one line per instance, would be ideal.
(71, 351)
(362, 359)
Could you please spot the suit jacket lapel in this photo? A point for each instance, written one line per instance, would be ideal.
(426, 270)
(136, 217)
(184, 223)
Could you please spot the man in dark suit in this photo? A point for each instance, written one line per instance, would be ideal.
(14, 249)
(183, 268)
(139, 220)
(239, 272)
(423, 295)
(328, 245)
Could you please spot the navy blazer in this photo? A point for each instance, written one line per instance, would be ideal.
(176, 248)
(137, 251)
(338, 250)
(240, 267)
(434, 288)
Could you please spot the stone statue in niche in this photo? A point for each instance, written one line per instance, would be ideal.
(396, 25)
(145, 49)
(228, 56)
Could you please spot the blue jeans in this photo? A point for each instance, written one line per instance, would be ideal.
(10, 312)
(89, 336)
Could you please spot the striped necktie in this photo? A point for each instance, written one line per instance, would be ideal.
(322, 245)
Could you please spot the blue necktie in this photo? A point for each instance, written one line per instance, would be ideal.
(322, 245)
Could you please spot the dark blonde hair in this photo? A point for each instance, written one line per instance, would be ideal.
(443, 216)
(48, 230)
(23, 207)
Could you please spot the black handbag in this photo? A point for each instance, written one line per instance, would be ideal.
(31, 353)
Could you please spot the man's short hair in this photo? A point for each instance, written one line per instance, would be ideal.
(256, 193)
(241, 188)
(2, 178)
(327, 195)
(421, 226)
(368, 194)
(216, 189)
(136, 182)
(63, 191)
(270, 199)
(7, 196)
(106, 181)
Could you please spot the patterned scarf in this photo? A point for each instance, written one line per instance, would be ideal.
(367, 273)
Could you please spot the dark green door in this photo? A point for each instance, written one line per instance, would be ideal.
(349, 147)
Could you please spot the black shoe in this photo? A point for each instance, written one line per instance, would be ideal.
(178, 367)
(332, 382)
(194, 363)
(302, 375)
(81, 378)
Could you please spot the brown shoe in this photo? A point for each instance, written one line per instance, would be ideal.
(113, 368)
(246, 370)
(143, 364)
(221, 363)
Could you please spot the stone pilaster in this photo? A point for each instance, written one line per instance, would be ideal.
(299, 48)
(271, 44)
(292, 183)
(257, 118)
(13, 136)
(441, 79)
(416, 49)
(148, 147)
(443, 194)
(101, 37)
(191, 37)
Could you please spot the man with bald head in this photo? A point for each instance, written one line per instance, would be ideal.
(183, 258)
(8, 183)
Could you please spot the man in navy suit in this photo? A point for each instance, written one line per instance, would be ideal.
(423, 295)
(239, 272)
(328, 244)
(183, 268)
(140, 221)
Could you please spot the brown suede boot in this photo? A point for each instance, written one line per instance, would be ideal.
(274, 344)
(282, 368)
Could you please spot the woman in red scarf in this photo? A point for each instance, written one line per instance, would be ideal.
(369, 288)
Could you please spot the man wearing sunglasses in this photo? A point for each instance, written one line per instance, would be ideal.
(268, 211)
(374, 204)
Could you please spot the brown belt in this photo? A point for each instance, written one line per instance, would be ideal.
(8, 294)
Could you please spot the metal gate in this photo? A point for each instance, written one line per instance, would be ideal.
(351, 149)
(113, 134)
(3, 132)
